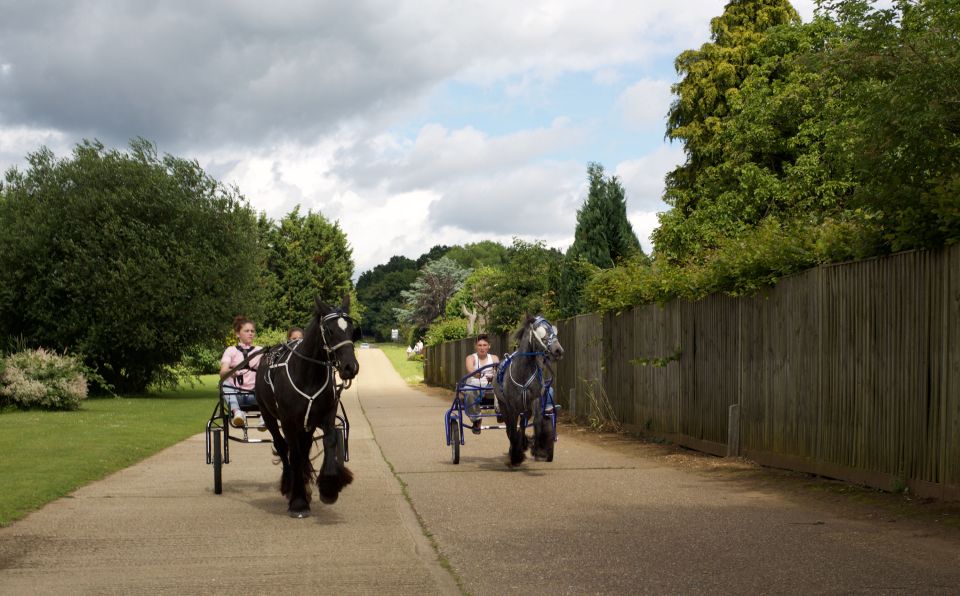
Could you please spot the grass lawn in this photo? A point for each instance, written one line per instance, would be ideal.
(46, 455)
(410, 370)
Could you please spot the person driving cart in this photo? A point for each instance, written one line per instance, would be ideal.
(481, 379)
(238, 385)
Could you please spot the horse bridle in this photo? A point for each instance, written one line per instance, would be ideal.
(544, 334)
(343, 322)
(332, 362)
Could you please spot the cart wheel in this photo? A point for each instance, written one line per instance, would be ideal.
(342, 455)
(217, 462)
(455, 441)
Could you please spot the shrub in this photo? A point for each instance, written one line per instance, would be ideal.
(42, 379)
(444, 330)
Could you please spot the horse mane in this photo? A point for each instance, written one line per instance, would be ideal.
(518, 334)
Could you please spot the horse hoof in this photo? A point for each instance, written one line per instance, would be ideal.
(299, 514)
(329, 499)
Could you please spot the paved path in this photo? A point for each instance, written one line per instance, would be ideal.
(596, 520)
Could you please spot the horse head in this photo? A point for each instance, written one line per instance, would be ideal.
(338, 332)
(542, 336)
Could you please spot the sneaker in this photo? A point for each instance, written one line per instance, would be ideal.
(239, 419)
(476, 427)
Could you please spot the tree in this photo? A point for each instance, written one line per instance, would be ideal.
(711, 80)
(523, 285)
(427, 297)
(310, 258)
(899, 115)
(433, 254)
(603, 237)
(486, 253)
(127, 258)
(379, 290)
(472, 300)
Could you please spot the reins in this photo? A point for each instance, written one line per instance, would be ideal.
(331, 364)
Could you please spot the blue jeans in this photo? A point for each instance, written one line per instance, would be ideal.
(238, 399)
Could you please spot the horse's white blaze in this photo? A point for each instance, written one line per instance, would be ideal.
(342, 324)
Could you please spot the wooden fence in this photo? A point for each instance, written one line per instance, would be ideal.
(850, 371)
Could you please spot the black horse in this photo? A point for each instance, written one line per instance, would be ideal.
(520, 387)
(297, 388)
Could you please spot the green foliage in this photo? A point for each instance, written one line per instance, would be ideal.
(473, 297)
(309, 258)
(128, 258)
(806, 143)
(42, 379)
(603, 237)
(445, 330)
(741, 265)
(427, 297)
(379, 290)
(523, 285)
(433, 254)
(479, 254)
(899, 118)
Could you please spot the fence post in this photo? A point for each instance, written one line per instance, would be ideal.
(573, 402)
(733, 431)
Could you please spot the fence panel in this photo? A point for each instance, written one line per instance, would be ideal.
(779, 363)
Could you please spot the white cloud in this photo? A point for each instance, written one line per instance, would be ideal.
(439, 156)
(644, 105)
(643, 178)
(17, 141)
(324, 104)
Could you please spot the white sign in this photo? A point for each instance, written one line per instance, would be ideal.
(395, 334)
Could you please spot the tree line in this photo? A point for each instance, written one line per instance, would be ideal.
(136, 260)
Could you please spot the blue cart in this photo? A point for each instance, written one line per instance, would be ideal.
(467, 395)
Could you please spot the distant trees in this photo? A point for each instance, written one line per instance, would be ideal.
(128, 258)
(427, 297)
(380, 289)
(523, 285)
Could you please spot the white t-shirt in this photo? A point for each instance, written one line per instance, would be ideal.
(483, 381)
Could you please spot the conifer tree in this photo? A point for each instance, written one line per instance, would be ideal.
(603, 238)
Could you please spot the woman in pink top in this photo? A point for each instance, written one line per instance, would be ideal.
(238, 385)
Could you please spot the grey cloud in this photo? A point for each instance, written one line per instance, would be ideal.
(201, 74)
(440, 157)
(533, 201)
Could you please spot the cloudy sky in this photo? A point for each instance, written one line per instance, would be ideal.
(411, 123)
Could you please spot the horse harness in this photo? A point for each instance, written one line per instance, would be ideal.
(281, 360)
(542, 336)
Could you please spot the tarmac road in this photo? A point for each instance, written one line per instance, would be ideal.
(597, 520)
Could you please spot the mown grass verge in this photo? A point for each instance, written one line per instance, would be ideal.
(46, 455)
(410, 370)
